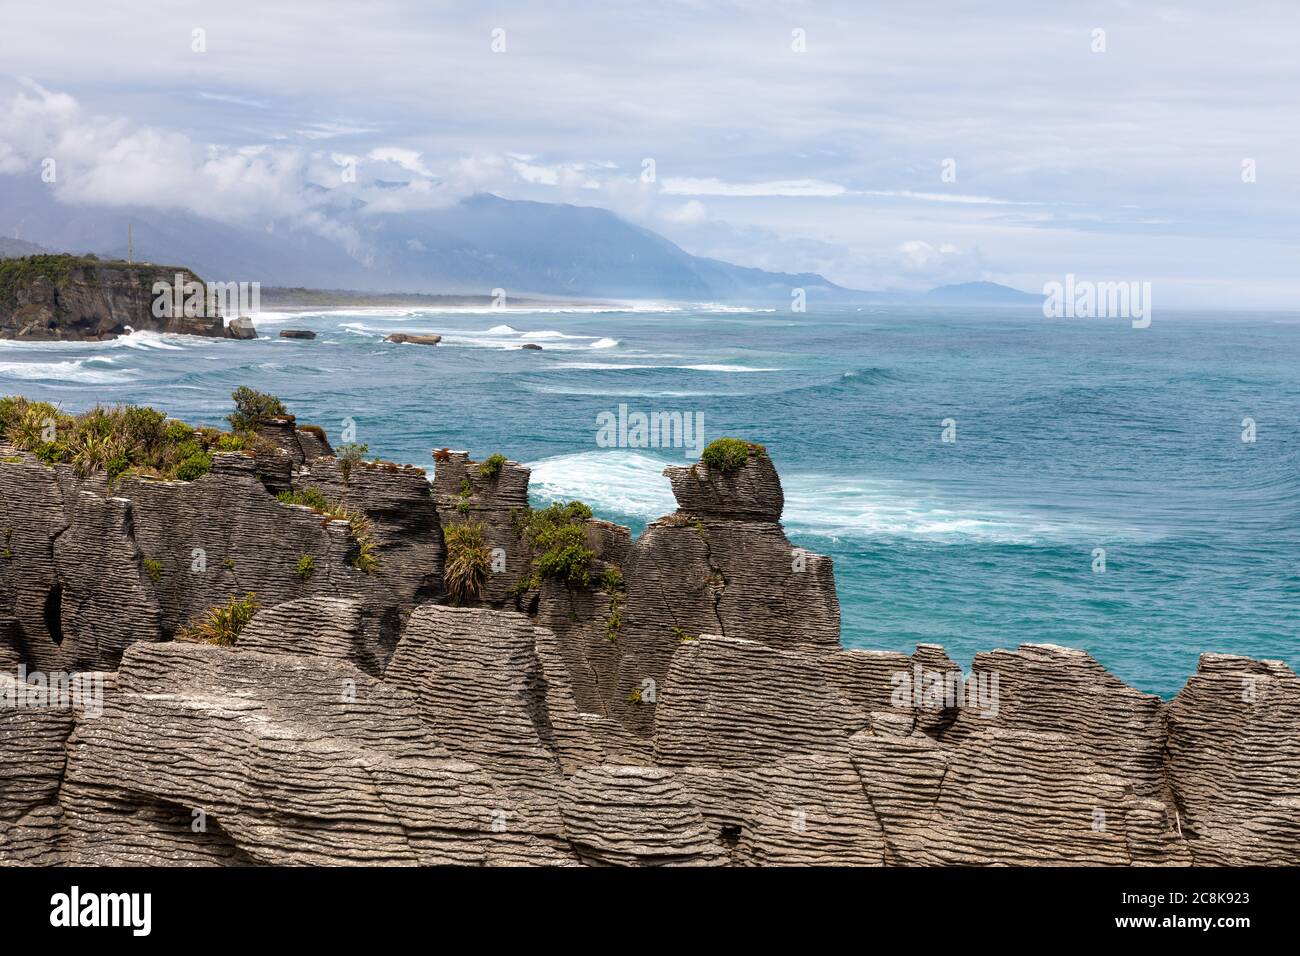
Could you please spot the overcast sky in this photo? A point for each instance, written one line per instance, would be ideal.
(1122, 164)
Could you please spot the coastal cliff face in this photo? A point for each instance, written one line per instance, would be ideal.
(58, 297)
(681, 699)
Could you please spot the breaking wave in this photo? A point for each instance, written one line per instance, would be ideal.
(630, 484)
(89, 371)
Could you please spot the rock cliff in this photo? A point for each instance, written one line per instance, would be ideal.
(60, 297)
(680, 699)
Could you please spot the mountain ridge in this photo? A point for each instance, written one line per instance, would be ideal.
(473, 247)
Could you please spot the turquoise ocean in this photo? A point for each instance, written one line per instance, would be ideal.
(1071, 435)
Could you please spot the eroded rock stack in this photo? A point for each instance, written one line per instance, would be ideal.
(683, 701)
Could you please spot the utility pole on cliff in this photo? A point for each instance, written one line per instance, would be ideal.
(129, 239)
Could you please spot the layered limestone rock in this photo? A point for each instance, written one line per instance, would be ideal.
(494, 502)
(207, 755)
(339, 628)
(402, 518)
(579, 615)
(89, 569)
(301, 444)
(630, 815)
(1234, 761)
(720, 564)
(682, 701)
(488, 692)
(33, 738)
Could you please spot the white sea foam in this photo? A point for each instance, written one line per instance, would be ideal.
(143, 339)
(270, 318)
(617, 367)
(546, 334)
(727, 368)
(358, 328)
(631, 484)
(497, 337)
(88, 371)
(727, 309)
(623, 391)
(625, 482)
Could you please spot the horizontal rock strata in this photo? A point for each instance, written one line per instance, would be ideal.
(678, 700)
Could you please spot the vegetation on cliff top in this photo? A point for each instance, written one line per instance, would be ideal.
(135, 440)
(491, 467)
(253, 407)
(118, 441)
(558, 538)
(58, 268)
(358, 524)
(729, 455)
(17, 273)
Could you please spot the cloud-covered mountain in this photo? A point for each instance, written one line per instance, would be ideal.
(474, 246)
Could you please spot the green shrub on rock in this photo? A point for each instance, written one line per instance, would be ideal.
(558, 538)
(349, 455)
(221, 625)
(253, 407)
(468, 562)
(729, 455)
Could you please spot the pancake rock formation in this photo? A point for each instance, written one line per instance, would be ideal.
(437, 673)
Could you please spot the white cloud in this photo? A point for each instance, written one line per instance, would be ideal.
(407, 159)
(840, 146)
(812, 188)
(232, 99)
(943, 197)
(687, 186)
(543, 175)
(688, 212)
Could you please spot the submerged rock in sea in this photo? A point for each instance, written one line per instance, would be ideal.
(680, 699)
(297, 334)
(413, 339)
